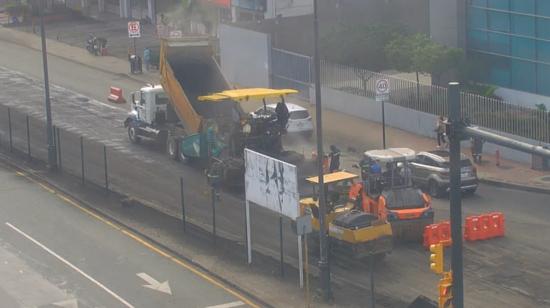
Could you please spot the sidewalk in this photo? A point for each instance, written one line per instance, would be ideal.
(109, 64)
(354, 137)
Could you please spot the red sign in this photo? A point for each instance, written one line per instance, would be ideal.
(220, 3)
(134, 29)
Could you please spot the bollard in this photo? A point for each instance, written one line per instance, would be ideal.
(28, 138)
(105, 165)
(182, 204)
(82, 158)
(497, 154)
(58, 139)
(10, 130)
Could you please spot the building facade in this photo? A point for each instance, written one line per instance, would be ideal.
(513, 38)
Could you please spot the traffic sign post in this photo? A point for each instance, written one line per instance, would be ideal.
(383, 95)
(134, 31)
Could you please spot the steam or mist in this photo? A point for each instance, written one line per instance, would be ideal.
(191, 18)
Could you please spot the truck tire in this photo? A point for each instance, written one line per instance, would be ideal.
(133, 134)
(172, 148)
(433, 189)
(182, 157)
(161, 140)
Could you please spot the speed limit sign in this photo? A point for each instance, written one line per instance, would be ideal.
(382, 89)
(134, 29)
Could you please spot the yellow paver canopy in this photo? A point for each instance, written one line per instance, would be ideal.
(333, 177)
(247, 94)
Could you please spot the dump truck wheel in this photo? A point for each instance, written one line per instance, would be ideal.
(133, 135)
(172, 148)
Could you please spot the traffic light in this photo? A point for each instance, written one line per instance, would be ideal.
(436, 258)
(446, 290)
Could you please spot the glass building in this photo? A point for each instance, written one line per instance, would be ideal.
(512, 40)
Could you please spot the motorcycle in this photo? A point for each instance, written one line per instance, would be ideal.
(94, 44)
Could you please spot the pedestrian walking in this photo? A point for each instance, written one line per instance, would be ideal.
(147, 58)
(440, 131)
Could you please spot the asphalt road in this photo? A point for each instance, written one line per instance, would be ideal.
(53, 252)
(507, 272)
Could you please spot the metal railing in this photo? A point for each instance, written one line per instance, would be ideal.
(291, 70)
(483, 111)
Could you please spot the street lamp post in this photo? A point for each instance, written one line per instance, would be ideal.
(52, 152)
(323, 260)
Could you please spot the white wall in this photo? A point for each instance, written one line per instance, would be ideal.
(444, 22)
(245, 56)
(523, 98)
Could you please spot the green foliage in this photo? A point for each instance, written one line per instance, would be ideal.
(16, 9)
(541, 107)
(418, 53)
(358, 46)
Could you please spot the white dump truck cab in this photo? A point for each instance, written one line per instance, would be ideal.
(151, 115)
(150, 104)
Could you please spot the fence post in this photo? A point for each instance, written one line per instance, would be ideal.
(82, 158)
(58, 139)
(106, 170)
(28, 138)
(182, 204)
(214, 213)
(10, 130)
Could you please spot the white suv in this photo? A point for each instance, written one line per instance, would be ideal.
(299, 120)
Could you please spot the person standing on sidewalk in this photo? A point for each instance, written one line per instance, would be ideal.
(440, 130)
(477, 149)
(147, 58)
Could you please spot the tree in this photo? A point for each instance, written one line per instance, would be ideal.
(360, 46)
(419, 54)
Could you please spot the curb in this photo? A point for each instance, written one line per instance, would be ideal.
(8, 161)
(509, 185)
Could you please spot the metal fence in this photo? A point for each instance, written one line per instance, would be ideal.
(483, 111)
(291, 70)
(100, 164)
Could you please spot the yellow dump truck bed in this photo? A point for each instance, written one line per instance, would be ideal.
(188, 70)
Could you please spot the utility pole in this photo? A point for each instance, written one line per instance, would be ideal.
(323, 260)
(458, 130)
(455, 136)
(52, 152)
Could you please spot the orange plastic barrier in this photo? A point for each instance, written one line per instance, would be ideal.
(115, 95)
(439, 233)
(483, 227)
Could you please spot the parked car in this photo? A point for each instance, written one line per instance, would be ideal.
(430, 171)
(299, 120)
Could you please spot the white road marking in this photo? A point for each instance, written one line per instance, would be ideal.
(69, 303)
(228, 305)
(69, 264)
(154, 284)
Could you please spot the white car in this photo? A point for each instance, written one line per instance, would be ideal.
(299, 120)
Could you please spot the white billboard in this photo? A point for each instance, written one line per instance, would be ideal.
(271, 183)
